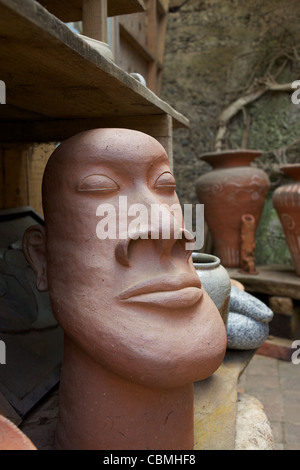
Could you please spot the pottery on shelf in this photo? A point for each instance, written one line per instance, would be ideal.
(232, 189)
(286, 200)
(139, 78)
(215, 280)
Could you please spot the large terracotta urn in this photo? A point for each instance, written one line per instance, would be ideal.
(286, 200)
(230, 191)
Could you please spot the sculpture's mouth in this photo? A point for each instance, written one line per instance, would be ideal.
(179, 291)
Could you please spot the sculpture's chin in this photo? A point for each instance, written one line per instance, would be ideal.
(150, 348)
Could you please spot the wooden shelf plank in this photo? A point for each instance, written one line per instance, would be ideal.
(51, 72)
(71, 10)
(57, 130)
(271, 280)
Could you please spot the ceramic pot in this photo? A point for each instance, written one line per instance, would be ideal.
(231, 190)
(215, 280)
(286, 200)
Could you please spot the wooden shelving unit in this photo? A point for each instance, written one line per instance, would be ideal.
(142, 35)
(57, 85)
(139, 28)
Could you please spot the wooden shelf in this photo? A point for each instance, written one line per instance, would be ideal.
(275, 280)
(71, 10)
(57, 84)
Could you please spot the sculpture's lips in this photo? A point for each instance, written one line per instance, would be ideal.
(179, 291)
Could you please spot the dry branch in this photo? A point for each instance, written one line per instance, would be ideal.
(262, 86)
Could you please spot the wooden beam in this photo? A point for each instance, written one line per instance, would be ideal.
(163, 6)
(36, 162)
(15, 184)
(58, 130)
(94, 19)
(133, 41)
(71, 10)
(158, 126)
(167, 139)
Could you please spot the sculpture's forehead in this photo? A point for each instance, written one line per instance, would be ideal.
(116, 146)
(114, 153)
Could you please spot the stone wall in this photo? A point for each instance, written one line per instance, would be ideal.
(215, 53)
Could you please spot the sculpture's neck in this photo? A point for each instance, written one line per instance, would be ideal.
(99, 410)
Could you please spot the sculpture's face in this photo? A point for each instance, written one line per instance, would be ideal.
(136, 306)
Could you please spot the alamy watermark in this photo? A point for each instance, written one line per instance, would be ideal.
(155, 221)
(2, 352)
(296, 95)
(296, 354)
(2, 92)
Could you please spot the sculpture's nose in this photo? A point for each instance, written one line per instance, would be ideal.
(174, 245)
(160, 226)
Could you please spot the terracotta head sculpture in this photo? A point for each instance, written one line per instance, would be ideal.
(139, 328)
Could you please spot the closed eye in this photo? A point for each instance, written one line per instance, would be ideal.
(165, 182)
(98, 183)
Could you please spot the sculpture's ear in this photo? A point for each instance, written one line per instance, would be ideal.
(34, 249)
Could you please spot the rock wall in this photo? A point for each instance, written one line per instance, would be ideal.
(215, 53)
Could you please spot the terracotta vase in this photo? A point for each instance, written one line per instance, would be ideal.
(215, 280)
(232, 189)
(286, 200)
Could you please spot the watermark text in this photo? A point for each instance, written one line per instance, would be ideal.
(296, 354)
(157, 221)
(2, 92)
(296, 94)
(2, 352)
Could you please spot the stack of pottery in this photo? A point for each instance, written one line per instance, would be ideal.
(232, 189)
(286, 200)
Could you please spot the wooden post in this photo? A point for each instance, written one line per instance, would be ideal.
(162, 15)
(94, 19)
(151, 13)
(15, 178)
(167, 139)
